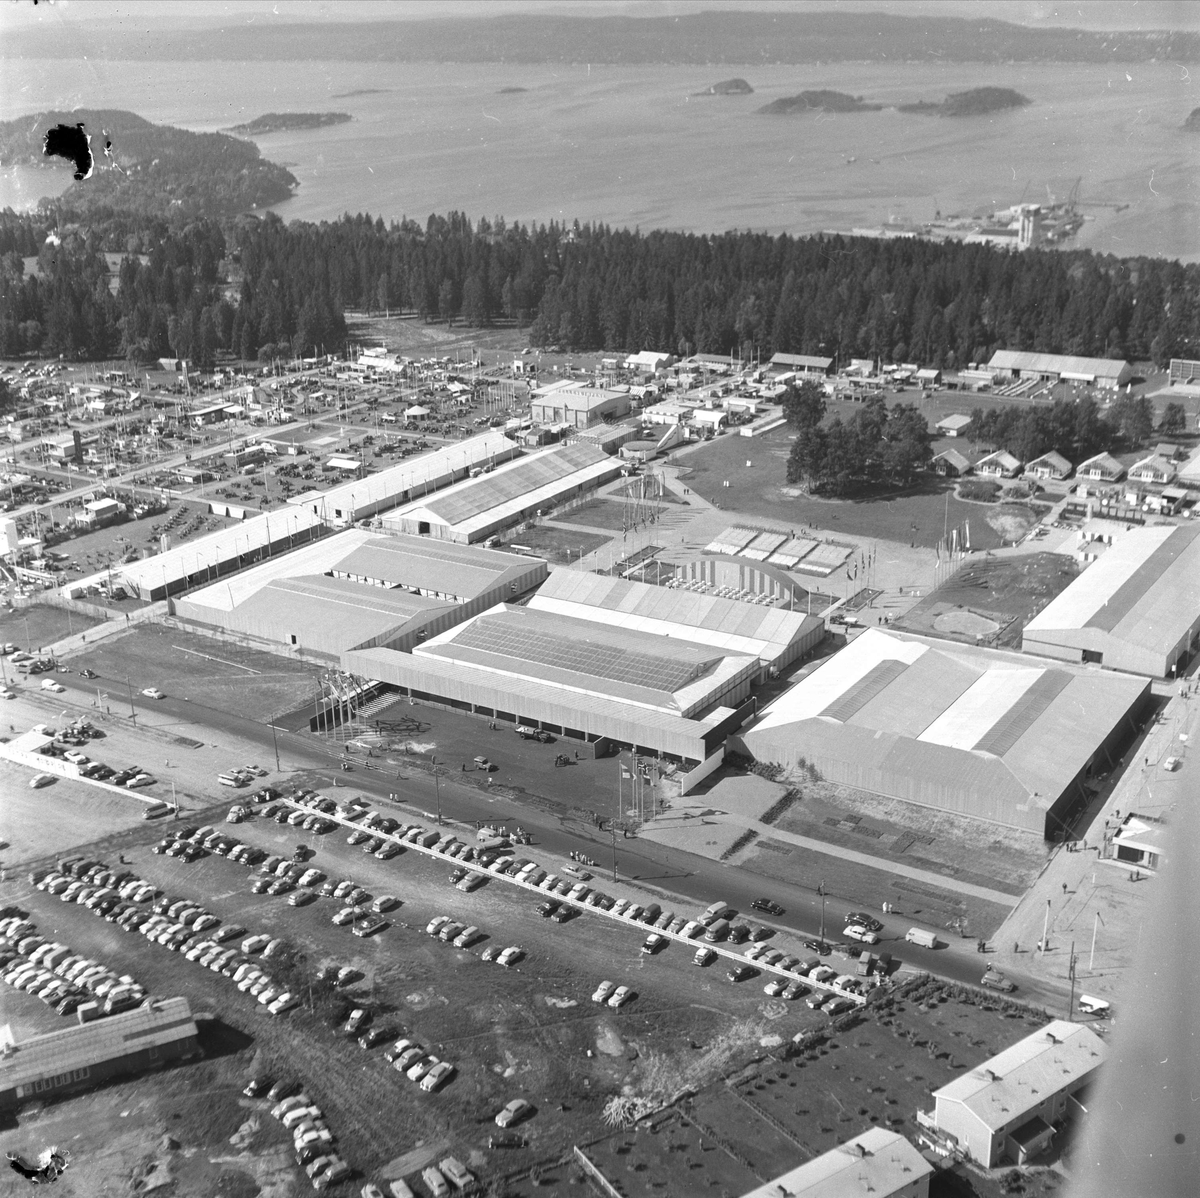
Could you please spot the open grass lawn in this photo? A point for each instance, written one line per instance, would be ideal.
(560, 546)
(32, 627)
(206, 670)
(601, 513)
(918, 517)
(1009, 592)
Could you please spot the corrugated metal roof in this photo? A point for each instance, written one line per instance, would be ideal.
(976, 710)
(1022, 715)
(801, 360)
(88, 1044)
(606, 714)
(428, 565)
(246, 537)
(926, 689)
(728, 624)
(874, 682)
(479, 495)
(979, 724)
(398, 480)
(1148, 578)
(1009, 359)
(1024, 1076)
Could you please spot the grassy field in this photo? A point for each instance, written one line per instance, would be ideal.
(1006, 592)
(560, 546)
(217, 673)
(32, 627)
(916, 517)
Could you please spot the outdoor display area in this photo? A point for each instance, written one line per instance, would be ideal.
(990, 600)
(919, 516)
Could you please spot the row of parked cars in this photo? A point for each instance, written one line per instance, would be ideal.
(184, 926)
(67, 982)
(312, 1139)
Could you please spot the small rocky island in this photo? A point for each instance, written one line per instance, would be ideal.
(728, 87)
(820, 101)
(976, 102)
(278, 122)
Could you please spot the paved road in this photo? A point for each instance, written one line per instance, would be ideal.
(694, 880)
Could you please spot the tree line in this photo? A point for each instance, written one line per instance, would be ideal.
(263, 287)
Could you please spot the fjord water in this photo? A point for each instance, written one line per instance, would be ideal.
(632, 146)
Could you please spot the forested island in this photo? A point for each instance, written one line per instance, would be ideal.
(278, 122)
(153, 170)
(819, 101)
(976, 102)
(727, 87)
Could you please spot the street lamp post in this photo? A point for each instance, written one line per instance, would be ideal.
(132, 711)
(437, 791)
(275, 742)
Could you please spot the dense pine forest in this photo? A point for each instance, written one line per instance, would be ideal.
(258, 287)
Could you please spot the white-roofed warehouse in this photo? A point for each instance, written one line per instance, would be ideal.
(480, 507)
(364, 497)
(358, 588)
(1137, 608)
(205, 559)
(584, 680)
(776, 636)
(978, 732)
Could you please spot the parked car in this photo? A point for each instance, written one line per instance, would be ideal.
(767, 906)
(854, 931)
(863, 920)
(513, 1112)
(619, 997)
(603, 991)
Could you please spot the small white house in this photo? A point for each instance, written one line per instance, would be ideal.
(1000, 464)
(954, 426)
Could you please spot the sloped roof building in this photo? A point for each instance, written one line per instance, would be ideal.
(979, 732)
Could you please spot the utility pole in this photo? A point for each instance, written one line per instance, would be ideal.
(1092, 958)
(437, 791)
(821, 892)
(132, 712)
(1071, 973)
(1045, 931)
(275, 742)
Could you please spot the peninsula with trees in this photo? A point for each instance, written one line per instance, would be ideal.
(153, 170)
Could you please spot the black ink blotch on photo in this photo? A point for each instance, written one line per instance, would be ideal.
(70, 142)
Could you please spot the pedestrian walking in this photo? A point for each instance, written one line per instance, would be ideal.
(1016, 947)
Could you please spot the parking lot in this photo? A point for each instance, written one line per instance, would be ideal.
(527, 1031)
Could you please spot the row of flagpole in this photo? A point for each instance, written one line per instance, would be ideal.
(950, 552)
